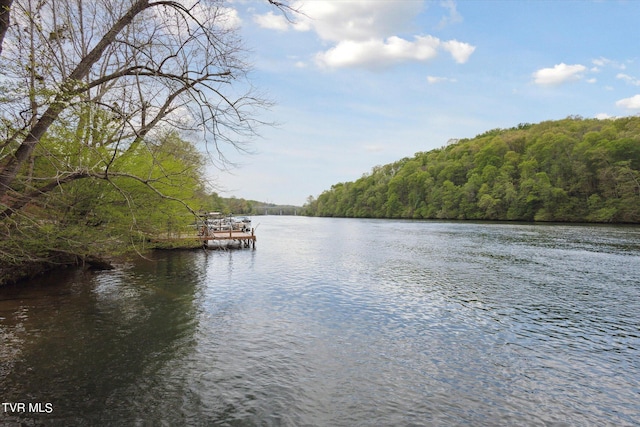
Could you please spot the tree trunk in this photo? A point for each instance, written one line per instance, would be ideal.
(5, 12)
(68, 89)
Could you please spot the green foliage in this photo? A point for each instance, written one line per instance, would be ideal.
(574, 170)
(116, 199)
(238, 206)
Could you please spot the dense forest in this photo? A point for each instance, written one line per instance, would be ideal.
(571, 170)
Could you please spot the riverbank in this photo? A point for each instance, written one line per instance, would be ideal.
(15, 274)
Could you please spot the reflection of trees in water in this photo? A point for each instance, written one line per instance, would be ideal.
(97, 346)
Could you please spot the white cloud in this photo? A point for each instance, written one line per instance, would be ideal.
(228, 18)
(357, 20)
(560, 73)
(174, 22)
(603, 116)
(433, 80)
(378, 53)
(632, 103)
(460, 51)
(272, 21)
(367, 33)
(454, 16)
(629, 79)
(603, 62)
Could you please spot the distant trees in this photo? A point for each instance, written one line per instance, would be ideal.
(568, 170)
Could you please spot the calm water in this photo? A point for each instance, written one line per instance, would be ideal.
(337, 322)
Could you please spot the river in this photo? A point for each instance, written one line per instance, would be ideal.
(338, 322)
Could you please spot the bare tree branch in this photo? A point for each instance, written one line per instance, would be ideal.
(10, 170)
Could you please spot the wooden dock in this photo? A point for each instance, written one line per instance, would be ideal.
(215, 231)
(216, 239)
(212, 239)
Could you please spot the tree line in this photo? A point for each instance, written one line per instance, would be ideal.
(570, 170)
(239, 206)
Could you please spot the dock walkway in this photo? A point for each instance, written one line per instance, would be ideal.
(216, 231)
(214, 239)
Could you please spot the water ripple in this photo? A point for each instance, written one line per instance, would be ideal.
(345, 322)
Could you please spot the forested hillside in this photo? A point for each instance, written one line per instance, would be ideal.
(577, 170)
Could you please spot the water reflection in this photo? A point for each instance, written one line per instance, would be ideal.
(343, 322)
(93, 344)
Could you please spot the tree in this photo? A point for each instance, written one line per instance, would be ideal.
(5, 18)
(95, 216)
(138, 65)
(99, 100)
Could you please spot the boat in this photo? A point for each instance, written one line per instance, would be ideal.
(216, 230)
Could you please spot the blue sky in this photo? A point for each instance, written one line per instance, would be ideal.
(363, 83)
